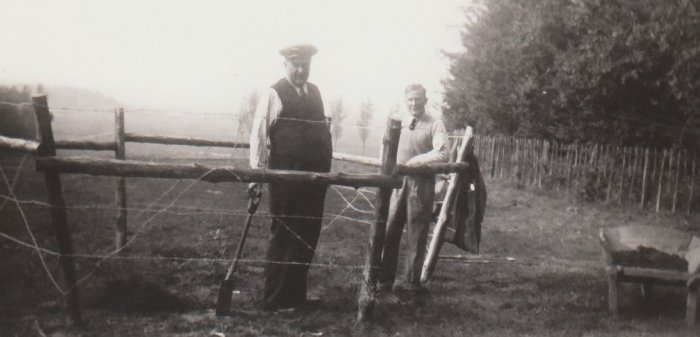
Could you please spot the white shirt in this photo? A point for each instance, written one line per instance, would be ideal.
(267, 112)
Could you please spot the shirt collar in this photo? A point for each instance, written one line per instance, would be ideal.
(299, 89)
(408, 118)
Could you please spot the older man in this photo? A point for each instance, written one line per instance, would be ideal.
(423, 140)
(290, 123)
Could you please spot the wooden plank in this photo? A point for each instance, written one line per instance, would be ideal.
(85, 145)
(656, 274)
(142, 169)
(59, 218)
(370, 274)
(356, 159)
(136, 138)
(437, 239)
(430, 169)
(16, 144)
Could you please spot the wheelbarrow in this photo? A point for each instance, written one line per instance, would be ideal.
(650, 255)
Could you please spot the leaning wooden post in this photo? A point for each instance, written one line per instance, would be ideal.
(378, 229)
(120, 153)
(456, 180)
(59, 218)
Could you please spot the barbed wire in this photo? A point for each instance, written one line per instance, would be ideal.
(174, 258)
(19, 105)
(14, 179)
(156, 209)
(141, 228)
(194, 210)
(350, 203)
(35, 245)
(222, 114)
(180, 113)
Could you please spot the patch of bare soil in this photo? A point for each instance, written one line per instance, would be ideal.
(137, 295)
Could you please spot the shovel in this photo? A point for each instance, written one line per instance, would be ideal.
(223, 302)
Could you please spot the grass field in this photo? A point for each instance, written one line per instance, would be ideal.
(167, 281)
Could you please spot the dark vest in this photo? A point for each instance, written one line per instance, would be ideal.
(300, 131)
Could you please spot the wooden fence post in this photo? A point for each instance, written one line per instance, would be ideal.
(644, 178)
(378, 228)
(569, 168)
(59, 218)
(692, 184)
(675, 183)
(493, 157)
(120, 153)
(622, 175)
(661, 179)
(503, 159)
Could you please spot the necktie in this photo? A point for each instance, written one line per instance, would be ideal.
(413, 124)
(302, 93)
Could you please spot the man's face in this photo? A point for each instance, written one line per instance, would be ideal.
(297, 71)
(415, 101)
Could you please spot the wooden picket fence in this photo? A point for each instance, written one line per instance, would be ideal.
(656, 179)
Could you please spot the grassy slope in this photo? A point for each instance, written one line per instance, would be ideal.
(554, 288)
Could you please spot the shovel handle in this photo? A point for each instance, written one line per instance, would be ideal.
(253, 203)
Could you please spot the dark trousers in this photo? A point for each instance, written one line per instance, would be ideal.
(297, 210)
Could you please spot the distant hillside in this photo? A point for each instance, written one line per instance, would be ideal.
(66, 97)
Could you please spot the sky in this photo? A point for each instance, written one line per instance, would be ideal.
(206, 55)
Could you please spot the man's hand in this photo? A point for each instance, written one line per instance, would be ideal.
(254, 190)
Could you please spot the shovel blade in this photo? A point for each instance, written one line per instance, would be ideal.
(223, 302)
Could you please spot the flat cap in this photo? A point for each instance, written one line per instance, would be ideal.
(299, 52)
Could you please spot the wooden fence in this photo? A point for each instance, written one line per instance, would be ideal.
(656, 179)
(52, 166)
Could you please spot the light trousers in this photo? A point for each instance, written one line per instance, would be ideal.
(411, 205)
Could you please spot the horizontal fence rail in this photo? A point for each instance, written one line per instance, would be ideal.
(17, 144)
(142, 169)
(136, 138)
(85, 145)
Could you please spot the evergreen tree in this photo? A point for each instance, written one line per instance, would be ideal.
(617, 71)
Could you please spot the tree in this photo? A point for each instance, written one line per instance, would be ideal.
(246, 113)
(617, 71)
(366, 112)
(16, 122)
(337, 115)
